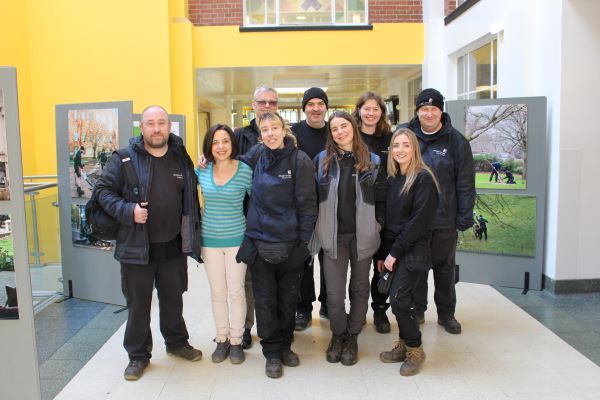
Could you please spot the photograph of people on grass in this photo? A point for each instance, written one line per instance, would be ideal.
(8, 287)
(79, 236)
(502, 224)
(4, 189)
(498, 138)
(93, 136)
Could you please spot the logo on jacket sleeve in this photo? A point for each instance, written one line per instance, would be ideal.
(441, 153)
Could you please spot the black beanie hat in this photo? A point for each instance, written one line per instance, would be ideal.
(429, 97)
(314, 93)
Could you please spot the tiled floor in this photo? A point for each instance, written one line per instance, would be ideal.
(503, 353)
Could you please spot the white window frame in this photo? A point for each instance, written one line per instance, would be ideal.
(462, 93)
(333, 22)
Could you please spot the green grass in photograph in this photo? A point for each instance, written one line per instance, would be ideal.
(6, 244)
(482, 181)
(510, 227)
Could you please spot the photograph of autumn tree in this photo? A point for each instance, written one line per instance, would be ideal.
(498, 138)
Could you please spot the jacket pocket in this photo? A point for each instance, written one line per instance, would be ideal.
(367, 188)
(323, 188)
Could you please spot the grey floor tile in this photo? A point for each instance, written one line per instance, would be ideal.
(76, 351)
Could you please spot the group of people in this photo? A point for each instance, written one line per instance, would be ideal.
(345, 190)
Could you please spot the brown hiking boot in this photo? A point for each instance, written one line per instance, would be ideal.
(415, 356)
(397, 354)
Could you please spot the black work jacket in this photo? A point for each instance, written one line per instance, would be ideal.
(118, 198)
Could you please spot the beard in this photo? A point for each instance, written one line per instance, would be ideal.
(156, 142)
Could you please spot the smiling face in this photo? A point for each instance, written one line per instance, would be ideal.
(342, 133)
(221, 146)
(430, 118)
(272, 133)
(402, 152)
(315, 110)
(370, 114)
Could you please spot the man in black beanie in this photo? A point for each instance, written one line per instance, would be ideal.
(311, 134)
(446, 151)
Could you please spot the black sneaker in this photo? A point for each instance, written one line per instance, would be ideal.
(289, 358)
(221, 352)
(273, 368)
(381, 321)
(186, 352)
(246, 339)
(323, 311)
(451, 325)
(303, 321)
(135, 369)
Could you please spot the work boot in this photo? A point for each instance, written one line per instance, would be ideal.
(186, 352)
(334, 350)
(289, 358)
(135, 369)
(236, 354)
(415, 356)
(323, 311)
(246, 339)
(273, 368)
(303, 321)
(381, 321)
(450, 324)
(420, 317)
(397, 354)
(221, 352)
(350, 350)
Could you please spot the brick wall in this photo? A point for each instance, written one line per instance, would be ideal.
(449, 6)
(395, 11)
(229, 12)
(216, 12)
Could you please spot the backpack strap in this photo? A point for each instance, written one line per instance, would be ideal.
(257, 155)
(127, 166)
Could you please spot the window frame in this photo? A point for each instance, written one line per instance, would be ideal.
(463, 92)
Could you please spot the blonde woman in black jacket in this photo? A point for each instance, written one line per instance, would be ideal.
(411, 203)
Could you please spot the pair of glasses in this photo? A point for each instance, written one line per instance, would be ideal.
(266, 103)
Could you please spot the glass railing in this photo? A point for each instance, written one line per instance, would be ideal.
(43, 238)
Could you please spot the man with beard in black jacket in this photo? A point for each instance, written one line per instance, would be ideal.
(159, 227)
(446, 151)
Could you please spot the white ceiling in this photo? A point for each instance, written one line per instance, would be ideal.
(344, 83)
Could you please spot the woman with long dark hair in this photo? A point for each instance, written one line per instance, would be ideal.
(347, 229)
(411, 204)
(375, 131)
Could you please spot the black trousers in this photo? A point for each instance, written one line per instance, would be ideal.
(276, 288)
(378, 300)
(402, 299)
(307, 287)
(137, 282)
(443, 252)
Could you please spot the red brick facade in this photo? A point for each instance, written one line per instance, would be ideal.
(216, 12)
(449, 6)
(230, 12)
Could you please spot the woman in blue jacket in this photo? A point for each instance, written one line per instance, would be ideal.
(281, 218)
(411, 204)
(347, 229)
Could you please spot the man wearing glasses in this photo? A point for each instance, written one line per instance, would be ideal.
(265, 100)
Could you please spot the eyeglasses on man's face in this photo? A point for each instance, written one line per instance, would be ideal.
(266, 103)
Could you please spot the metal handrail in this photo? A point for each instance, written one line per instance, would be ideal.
(40, 177)
(32, 187)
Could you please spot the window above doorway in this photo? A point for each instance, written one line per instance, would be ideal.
(296, 13)
(478, 72)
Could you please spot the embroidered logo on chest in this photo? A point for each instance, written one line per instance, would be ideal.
(441, 153)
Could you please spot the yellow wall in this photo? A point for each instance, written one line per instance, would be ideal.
(226, 46)
(14, 53)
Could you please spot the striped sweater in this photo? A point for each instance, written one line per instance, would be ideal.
(223, 220)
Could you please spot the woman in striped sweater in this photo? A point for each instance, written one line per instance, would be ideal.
(224, 183)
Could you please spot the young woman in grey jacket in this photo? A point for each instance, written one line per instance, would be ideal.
(347, 229)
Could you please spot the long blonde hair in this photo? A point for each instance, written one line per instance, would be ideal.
(274, 116)
(416, 163)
